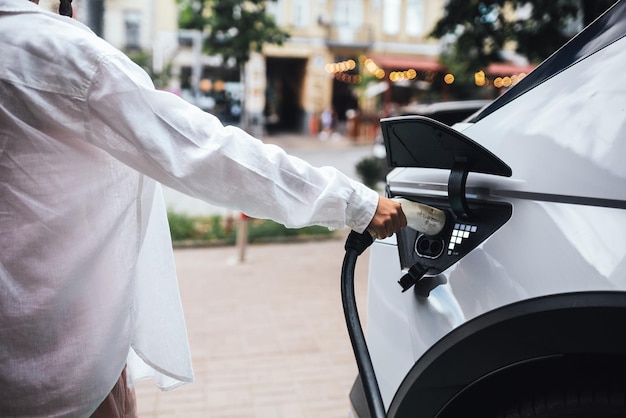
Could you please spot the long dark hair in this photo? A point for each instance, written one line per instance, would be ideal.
(65, 8)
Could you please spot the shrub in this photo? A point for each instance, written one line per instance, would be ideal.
(182, 227)
(224, 230)
(263, 230)
(370, 171)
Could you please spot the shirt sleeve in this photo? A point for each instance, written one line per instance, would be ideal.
(187, 149)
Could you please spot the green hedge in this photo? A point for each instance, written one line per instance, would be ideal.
(370, 171)
(223, 230)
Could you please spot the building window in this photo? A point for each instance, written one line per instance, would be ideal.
(132, 22)
(392, 16)
(300, 13)
(276, 9)
(348, 13)
(414, 17)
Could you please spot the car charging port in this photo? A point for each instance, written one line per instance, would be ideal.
(429, 247)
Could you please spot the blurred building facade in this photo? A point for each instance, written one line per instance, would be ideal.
(354, 60)
(141, 25)
(348, 56)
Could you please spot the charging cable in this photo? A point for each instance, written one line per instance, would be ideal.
(355, 245)
(424, 218)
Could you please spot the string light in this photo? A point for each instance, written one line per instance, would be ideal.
(374, 69)
(507, 81)
(403, 75)
(479, 78)
(340, 69)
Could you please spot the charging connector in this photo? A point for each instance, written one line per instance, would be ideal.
(423, 218)
(429, 247)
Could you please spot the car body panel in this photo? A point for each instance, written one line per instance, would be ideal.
(563, 133)
(556, 148)
(565, 250)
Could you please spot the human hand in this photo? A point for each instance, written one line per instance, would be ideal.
(388, 219)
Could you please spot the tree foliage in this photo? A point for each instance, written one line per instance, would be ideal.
(479, 30)
(234, 28)
(144, 59)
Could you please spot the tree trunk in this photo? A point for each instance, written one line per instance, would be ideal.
(243, 118)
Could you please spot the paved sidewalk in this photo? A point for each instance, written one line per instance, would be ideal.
(268, 336)
(291, 141)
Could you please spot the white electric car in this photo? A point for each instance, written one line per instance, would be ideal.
(517, 308)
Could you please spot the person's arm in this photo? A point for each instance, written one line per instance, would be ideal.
(181, 146)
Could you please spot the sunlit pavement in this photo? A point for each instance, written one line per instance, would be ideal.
(267, 335)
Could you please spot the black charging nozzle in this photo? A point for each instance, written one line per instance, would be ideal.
(415, 273)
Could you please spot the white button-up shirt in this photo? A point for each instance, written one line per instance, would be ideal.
(87, 279)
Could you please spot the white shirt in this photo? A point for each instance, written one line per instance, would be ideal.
(87, 279)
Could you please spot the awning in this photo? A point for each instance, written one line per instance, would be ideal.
(403, 62)
(504, 69)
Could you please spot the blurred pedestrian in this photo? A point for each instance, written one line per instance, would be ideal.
(89, 300)
(327, 118)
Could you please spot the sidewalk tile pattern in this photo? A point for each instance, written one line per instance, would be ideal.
(267, 335)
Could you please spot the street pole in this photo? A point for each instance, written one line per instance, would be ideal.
(242, 237)
(95, 16)
(254, 80)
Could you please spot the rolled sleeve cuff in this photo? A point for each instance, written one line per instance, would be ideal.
(361, 207)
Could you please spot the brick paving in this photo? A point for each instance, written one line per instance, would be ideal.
(267, 335)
